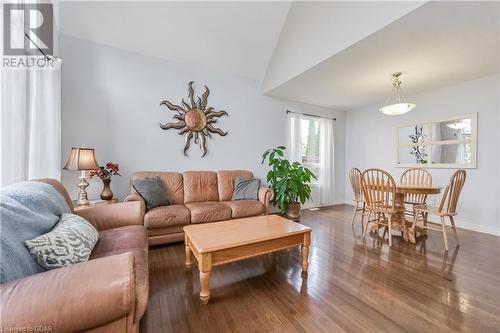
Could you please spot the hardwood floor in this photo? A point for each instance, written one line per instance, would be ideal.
(352, 285)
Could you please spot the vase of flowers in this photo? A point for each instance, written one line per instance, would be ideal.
(105, 173)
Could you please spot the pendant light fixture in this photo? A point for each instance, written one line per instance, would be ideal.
(396, 103)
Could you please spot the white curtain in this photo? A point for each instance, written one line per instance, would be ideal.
(294, 124)
(30, 123)
(326, 195)
(326, 161)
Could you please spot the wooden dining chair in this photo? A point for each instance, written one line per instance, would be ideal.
(415, 176)
(447, 208)
(360, 204)
(379, 191)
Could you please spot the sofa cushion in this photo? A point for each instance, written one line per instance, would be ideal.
(172, 181)
(200, 186)
(244, 208)
(225, 179)
(208, 211)
(70, 242)
(166, 216)
(152, 191)
(133, 239)
(246, 189)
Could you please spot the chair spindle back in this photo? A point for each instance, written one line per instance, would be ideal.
(416, 176)
(379, 189)
(449, 200)
(355, 179)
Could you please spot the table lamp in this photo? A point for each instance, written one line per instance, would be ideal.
(81, 159)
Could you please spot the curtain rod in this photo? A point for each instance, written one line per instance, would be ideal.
(310, 115)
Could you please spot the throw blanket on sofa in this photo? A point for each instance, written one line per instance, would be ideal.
(27, 210)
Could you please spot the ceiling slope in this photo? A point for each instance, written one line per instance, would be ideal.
(314, 31)
(438, 44)
(234, 37)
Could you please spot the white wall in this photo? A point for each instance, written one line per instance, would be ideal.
(370, 142)
(110, 101)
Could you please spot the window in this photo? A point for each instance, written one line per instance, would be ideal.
(310, 144)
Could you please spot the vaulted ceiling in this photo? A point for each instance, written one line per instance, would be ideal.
(236, 37)
(435, 45)
(335, 54)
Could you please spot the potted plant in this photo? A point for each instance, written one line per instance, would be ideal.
(105, 173)
(291, 182)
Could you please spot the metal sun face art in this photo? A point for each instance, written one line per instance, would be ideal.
(194, 119)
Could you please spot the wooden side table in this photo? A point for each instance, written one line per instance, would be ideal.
(94, 203)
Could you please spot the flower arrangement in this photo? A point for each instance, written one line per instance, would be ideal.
(105, 172)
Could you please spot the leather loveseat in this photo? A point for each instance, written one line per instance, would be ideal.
(197, 197)
(108, 293)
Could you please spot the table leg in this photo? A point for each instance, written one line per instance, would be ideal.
(189, 257)
(305, 251)
(305, 255)
(400, 217)
(205, 266)
(205, 287)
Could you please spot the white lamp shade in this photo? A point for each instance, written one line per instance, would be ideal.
(81, 159)
(397, 109)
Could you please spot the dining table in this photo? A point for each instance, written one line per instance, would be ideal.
(399, 220)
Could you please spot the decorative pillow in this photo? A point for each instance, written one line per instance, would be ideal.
(71, 241)
(246, 189)
(152, 191)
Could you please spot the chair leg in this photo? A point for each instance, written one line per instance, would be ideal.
(454, 230)
(443, 225)
(363, 211)
(354, 213)
(367, 222)
(390, 229)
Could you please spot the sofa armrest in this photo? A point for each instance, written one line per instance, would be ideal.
(114, 216)
(135, 197)
(266, 195)
(74, 298)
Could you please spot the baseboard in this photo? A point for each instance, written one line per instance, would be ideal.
(479, 228)
(336, 202)
(467, 225)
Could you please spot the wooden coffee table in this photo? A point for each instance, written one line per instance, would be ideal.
(219, 243)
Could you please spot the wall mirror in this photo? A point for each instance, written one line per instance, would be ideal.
(443, 143)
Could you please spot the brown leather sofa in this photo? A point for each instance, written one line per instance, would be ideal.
(197, 197)
(108, 293)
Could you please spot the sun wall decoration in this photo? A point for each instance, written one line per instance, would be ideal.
(195, 120)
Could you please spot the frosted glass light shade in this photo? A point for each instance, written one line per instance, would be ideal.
(397, 109)
(457, 125)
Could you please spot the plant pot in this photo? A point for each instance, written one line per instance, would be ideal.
(293, 211)
(106, 193)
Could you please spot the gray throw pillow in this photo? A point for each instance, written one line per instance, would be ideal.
(71, 241)
(246, 189)
(152, 191)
